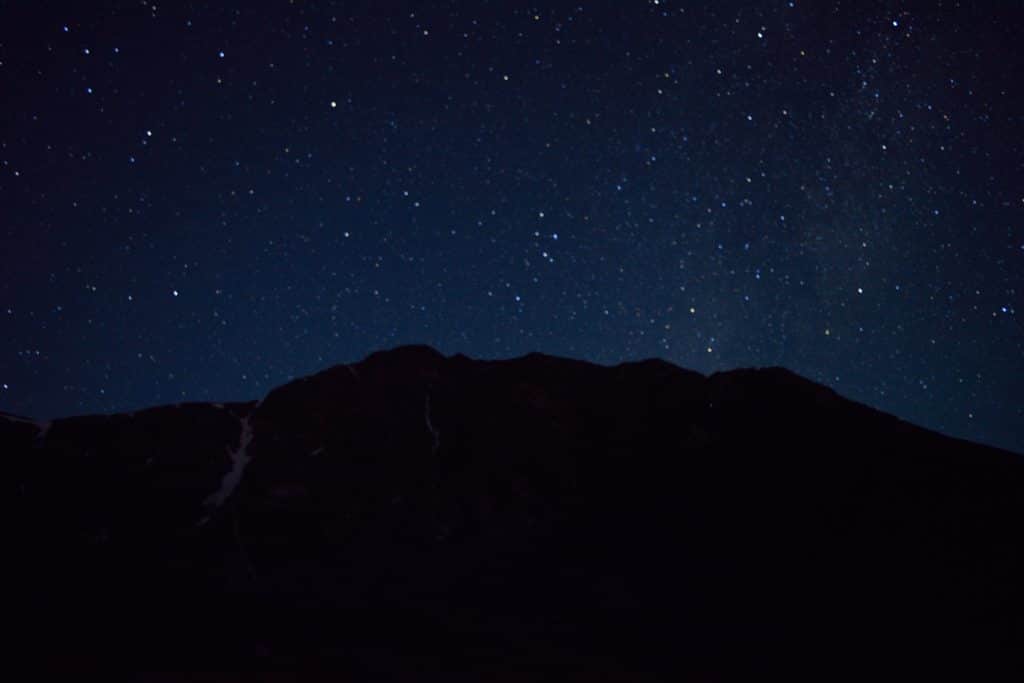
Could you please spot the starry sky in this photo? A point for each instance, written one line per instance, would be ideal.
(200, 202)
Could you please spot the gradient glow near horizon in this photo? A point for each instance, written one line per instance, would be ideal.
(201, 204)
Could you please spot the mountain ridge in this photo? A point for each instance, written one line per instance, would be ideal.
(410, 351)
(540, 503)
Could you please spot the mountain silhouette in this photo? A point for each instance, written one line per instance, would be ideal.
(536, 514)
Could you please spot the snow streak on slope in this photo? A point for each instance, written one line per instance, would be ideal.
(431, 428)
(239, 459)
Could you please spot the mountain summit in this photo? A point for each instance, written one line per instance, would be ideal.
(528, 514)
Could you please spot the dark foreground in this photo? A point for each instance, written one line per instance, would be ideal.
(413, 516)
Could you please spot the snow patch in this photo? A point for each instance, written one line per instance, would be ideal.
(431, 428)
(240, 458)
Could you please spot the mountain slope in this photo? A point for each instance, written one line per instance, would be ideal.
(534, 512)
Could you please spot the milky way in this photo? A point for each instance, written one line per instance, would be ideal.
(202, 204)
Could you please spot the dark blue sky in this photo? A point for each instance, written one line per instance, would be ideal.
(203, 203)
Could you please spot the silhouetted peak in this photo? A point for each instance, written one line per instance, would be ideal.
(754, 500)
(410, 355)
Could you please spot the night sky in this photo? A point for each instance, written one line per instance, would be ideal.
(200, 203)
